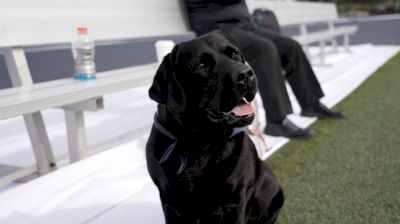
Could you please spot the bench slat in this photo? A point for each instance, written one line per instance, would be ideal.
(325, 34)
(23, 100)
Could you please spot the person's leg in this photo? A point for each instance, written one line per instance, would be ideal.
(263, 57)
(300, 75)
(299, 72)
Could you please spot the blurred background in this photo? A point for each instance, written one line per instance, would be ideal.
(364, 7)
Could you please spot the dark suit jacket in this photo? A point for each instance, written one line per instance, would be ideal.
(207, 15)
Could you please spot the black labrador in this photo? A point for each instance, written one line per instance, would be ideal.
(204, 164)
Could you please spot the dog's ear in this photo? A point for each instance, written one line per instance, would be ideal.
(166, 88)
(159, 89)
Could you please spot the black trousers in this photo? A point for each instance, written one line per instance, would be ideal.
(269, 53)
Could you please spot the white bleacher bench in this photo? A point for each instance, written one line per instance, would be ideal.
(303, 13)
(55, 23)
(305, 38)
(27, 24)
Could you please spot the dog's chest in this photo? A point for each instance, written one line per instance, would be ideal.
(217, 164)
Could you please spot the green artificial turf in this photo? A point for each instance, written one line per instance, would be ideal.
(350, 171)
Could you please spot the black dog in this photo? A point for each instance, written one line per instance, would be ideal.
(205, 166)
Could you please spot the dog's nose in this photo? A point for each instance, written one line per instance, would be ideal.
(244, 77)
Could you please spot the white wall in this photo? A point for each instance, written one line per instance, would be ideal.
(53, 21)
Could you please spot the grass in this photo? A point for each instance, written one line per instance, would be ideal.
(349, 172)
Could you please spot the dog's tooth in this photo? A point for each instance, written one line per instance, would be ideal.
(245, 100)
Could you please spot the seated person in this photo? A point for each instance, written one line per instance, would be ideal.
(269, 53)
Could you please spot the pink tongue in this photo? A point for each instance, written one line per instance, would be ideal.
(242, 110)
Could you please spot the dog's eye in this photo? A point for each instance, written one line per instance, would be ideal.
(232, 53)
(205, 62)
(200, 66)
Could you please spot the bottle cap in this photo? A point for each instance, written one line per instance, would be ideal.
(82, 30)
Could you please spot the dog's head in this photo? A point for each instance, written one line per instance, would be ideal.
(206, 80)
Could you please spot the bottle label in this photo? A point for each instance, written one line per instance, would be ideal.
(84, 76)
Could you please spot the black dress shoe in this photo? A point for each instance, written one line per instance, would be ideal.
(321, 111)
(287, 129)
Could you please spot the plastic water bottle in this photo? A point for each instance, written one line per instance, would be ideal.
(83, 54)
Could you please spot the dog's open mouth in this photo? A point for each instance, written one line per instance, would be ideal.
(243, 109)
